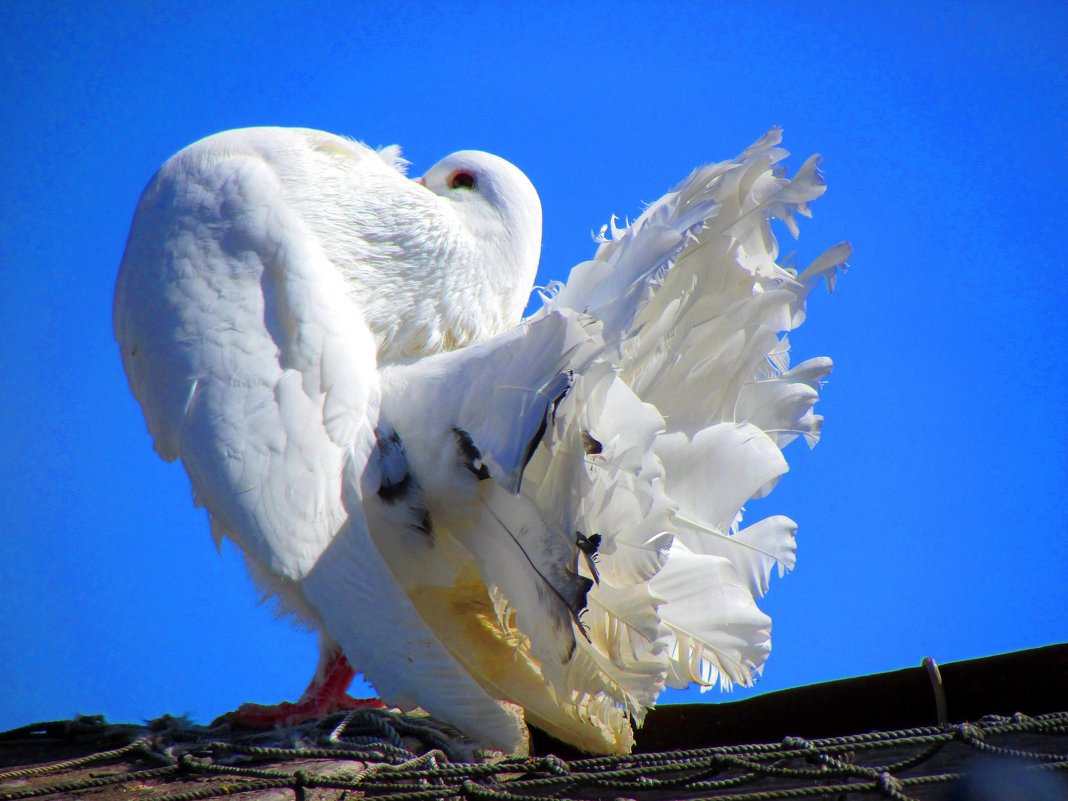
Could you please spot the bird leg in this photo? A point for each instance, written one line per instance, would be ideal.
(327, 693)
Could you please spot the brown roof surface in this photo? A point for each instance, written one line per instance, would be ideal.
(386, 755)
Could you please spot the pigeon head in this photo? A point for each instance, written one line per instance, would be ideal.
(497, 204)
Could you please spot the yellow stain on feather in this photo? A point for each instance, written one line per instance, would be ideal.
(463, 617)
(463, 614)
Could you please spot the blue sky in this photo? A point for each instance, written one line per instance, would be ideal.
(932, 516)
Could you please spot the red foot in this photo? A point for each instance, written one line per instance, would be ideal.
(325, 695)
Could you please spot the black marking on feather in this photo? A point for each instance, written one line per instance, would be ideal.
(393, 465)
(577, 604)
(583, 586)
(424, 524)
(472, 455)
(550, 417)
(575, 588)
(563, 393)
(588, 546)
(592, 445)
(582, 627)
(398, 484)
(391, 492)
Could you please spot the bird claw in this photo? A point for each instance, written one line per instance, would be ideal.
(268, 716)
(325, 695)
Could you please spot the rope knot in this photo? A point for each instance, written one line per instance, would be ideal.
(888, 783)
(554, 765)
(968, 733)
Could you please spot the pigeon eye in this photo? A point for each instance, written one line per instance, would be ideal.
(462, 179)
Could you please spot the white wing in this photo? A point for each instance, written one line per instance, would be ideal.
(249, 363)
(255, 369)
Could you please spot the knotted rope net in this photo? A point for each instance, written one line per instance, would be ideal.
(390, 756)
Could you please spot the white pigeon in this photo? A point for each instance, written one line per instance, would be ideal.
(549, 517)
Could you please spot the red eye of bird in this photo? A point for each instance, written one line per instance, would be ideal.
(462, 179)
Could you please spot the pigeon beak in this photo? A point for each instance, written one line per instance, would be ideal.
(420, 181)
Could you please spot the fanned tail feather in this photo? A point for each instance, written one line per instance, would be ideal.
(688, 407)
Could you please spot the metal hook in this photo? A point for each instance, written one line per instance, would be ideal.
(935, 676)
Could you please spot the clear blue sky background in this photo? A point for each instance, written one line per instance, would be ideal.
(933, 515)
